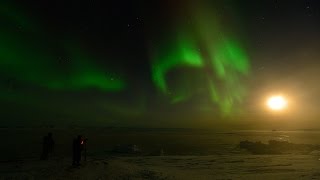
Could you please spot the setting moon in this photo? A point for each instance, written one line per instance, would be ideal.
(277, 103)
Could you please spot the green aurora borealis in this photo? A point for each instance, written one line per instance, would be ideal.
(34, 64)
(216, 60)
(204, 46)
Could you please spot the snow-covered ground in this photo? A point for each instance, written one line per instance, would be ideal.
(187, 154)
(169, 167)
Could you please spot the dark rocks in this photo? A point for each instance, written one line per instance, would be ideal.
(277, 147)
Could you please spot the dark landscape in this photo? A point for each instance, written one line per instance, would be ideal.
(169, 89)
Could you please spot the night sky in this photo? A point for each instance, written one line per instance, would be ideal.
(159, 63)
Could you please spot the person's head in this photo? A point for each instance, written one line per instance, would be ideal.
(79, 137)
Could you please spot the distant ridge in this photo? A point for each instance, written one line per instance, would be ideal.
(308, 129)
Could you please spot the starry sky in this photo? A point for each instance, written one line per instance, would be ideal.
(159, 64)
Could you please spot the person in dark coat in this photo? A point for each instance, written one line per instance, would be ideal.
(77, 147)
(47, 146)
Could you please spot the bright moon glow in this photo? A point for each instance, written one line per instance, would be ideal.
(277, 103)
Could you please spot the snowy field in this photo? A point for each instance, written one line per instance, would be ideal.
(169, 167)
(187, 154)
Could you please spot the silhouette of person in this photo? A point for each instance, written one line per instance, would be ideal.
(47, 146)
(78, 144)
